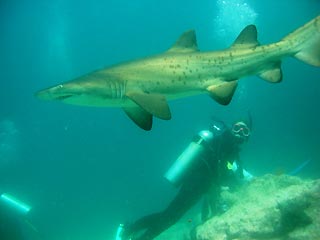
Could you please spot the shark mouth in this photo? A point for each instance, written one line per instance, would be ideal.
(63, 97)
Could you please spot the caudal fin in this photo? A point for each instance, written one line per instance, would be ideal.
(305, 42)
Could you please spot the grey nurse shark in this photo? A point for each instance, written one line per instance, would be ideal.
(143, 87)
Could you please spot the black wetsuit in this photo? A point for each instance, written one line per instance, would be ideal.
(211, 171)
(10, 228)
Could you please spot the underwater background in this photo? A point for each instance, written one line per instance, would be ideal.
(85, 170)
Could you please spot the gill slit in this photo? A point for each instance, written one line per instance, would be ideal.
(118, 89)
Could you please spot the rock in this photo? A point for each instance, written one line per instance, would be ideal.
(268, 208)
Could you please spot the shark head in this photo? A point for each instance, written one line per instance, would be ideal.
(59, 92)
(86, 92)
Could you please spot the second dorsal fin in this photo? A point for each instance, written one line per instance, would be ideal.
(248, 38)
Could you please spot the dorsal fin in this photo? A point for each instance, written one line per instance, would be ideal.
(247, 38)
(187, 42)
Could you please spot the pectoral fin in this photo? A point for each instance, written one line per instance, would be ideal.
(140, 117)
(222, 92)
(155, 104)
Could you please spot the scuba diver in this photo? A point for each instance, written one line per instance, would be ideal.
(210, 161)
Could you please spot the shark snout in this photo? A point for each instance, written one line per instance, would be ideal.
(43, 95)
(53, 93)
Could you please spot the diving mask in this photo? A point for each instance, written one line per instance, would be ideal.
(241, 130)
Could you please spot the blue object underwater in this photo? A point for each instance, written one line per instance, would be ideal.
(298, 169)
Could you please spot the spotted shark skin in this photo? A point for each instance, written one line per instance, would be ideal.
(142, 87)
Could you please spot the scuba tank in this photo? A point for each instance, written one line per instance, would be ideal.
(14, 204)
(15, 219)
(188, 158)
(119, 232)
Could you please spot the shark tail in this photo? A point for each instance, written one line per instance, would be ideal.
(305, 42)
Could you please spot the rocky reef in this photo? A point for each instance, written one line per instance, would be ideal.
(268, 208)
